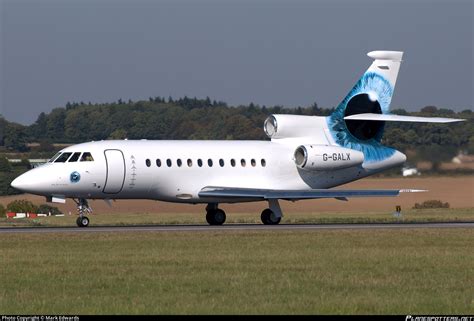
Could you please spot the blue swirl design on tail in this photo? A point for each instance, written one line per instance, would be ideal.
(374, 151)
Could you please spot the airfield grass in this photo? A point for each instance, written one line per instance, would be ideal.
(407, 271)
(408, 216)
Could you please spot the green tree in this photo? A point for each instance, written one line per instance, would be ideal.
(15, 138)
(39, 129)
(22, 206)
(46, 146)
(46, 209)
(437, 154)
(3, 211)
(3, 125)
(55, 124)
(5, 165)
(119, 133)
(470, 147)
(77, 125)
(25, 163)
(429, 110)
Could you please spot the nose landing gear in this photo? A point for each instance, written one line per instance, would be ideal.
(83, 208)
(82, 221)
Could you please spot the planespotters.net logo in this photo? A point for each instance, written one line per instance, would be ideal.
(439, 318)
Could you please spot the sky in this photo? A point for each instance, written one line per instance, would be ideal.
(282, 52)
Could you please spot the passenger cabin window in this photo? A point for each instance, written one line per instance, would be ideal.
(253, 162)
(190, 162)
(179, 162)
(54, 157)
(148, 163)
(209, 162)
(200, 162)
(168, 162)
(63, 158)
(158, 162)
(264, 163)
(221, 162)
(74, 157)
(87, 157)
(232, 162)
(242, 162)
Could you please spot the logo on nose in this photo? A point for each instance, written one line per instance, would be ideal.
(75, 177)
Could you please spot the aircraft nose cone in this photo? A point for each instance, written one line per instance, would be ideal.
(19, 183)
(28, 182)
(35, 181)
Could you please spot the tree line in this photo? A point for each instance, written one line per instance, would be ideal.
(193, 118)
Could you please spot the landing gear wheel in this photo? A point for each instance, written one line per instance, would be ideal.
(82, 221)
(83, 208)
(269, 218)
(210, 218)
(215, 217)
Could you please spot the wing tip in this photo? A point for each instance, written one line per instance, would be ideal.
(409, 190)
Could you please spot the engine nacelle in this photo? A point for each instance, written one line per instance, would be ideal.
(324, 157)
(287, 126)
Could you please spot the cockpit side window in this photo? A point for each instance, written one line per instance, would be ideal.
(54, 157)
(87, 157)
(74, 157)
(63, 158)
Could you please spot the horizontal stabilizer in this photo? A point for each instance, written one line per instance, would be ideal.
(391, 117)
(265, 194)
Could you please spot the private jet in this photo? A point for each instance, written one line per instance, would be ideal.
(304, 158)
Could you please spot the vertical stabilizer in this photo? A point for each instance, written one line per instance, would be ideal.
(371, 94)
(386, 64)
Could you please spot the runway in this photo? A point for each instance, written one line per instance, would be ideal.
(232, 227)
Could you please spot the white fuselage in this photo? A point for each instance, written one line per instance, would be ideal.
(128, 169)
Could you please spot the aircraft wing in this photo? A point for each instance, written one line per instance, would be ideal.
(265, 194)
(391, 117)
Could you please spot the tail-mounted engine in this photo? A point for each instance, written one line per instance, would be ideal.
(322, 157)
(288, 126)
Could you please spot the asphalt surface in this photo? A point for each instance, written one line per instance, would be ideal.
(232, 227)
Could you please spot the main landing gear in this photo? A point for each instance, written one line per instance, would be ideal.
(273, 214)
(270, 216)
(214, 216)
(83, 208)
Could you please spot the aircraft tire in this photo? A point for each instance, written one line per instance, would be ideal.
(265, 217)
(82, 221)
(210, 218)
(276, 221)
(216, 217)
(268, 218)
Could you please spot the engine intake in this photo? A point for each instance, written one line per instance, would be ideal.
(290, 126)
(324, 157)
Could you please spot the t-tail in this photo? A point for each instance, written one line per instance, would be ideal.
(359, 120)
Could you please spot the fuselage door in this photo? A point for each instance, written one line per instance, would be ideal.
(115, 171)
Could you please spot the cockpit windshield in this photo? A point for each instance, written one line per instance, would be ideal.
(76, 156)
(87, 157)
(63, 158)
(54, 157)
